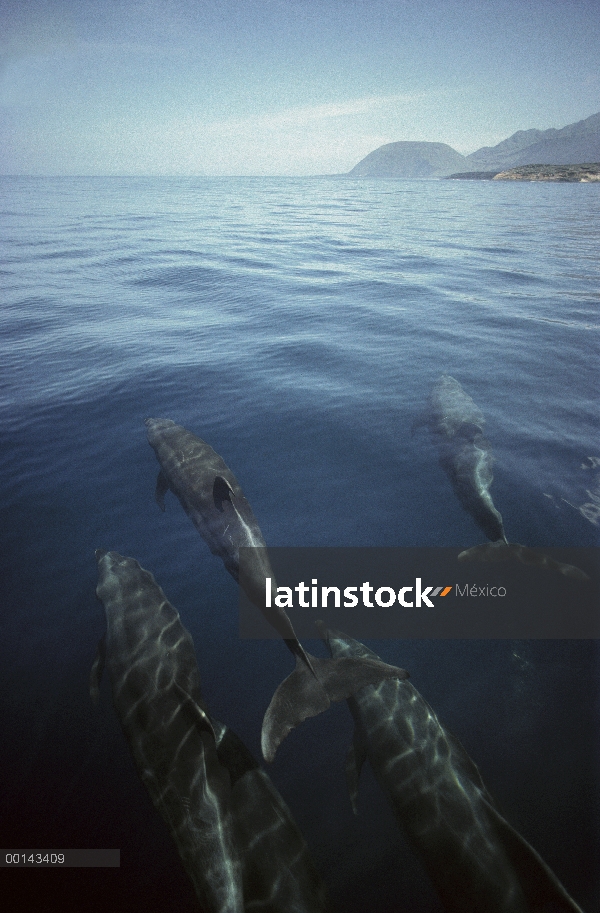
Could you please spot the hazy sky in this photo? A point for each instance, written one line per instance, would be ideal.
(281, 86)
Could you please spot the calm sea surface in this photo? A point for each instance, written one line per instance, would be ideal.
(298, 326)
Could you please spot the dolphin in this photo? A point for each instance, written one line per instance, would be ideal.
(236, 836)
(213, 499)
(466, 457)
(156, 694)
(279, 874)
(476, 860)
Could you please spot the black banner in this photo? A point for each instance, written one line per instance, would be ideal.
(490, 591)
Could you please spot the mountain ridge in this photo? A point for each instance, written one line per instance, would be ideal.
(572, 144)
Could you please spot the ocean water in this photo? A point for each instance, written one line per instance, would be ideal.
(298, 326)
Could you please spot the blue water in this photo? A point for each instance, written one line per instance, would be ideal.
(297, 325)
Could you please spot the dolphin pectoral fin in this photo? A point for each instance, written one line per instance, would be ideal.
(97, 670)
(570, 570)
(200, 717)
(355, 759)
(506, 551)
(162, 487)
(310, 689)
(539, 558)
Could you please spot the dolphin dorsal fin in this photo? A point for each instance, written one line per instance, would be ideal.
(222, 491)
(201, 717)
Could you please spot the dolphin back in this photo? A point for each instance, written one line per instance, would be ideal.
(278, 871)
(476, 860)
(156, 694)
(207, 490)
(465, 454)
(453, 411)
(213, 499)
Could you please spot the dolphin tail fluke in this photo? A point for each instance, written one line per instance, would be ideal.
(507, 551)
(312, 687)
(97, 670)
(298, 697)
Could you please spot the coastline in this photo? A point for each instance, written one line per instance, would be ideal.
(585, 173)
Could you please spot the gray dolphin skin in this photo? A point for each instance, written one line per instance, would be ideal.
(278, 872)
(476, 860)
(465, 455)
(156, 694)
(236, 837)
(509, 551)
(213, 499)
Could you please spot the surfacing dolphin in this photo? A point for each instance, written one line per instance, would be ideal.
(156, 694)
(213, 499)
(466, 457)
(476, 860)
(235, 834)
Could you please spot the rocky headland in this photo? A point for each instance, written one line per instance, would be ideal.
(563, 148)
(582, 174)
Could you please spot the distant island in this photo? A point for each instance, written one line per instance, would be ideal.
(569, 146)
(583, 174)
(409, 160)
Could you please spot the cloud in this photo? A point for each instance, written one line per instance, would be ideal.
(322, 138)
(309, 114)
(308, 139)
(239, 147)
